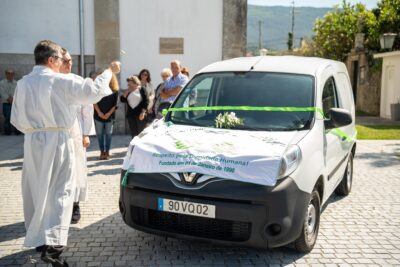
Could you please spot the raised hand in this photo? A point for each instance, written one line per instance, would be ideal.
(115, 67)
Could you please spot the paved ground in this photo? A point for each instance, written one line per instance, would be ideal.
(361, 229)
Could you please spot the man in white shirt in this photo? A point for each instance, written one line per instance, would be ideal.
(44, 109)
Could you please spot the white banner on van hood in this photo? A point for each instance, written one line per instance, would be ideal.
(248, 156)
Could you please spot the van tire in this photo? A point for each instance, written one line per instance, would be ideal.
(344, 188)
(308, 237)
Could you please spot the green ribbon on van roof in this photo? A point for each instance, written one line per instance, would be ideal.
(337, 132)
(248, 108)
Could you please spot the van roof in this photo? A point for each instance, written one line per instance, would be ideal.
(285, 64)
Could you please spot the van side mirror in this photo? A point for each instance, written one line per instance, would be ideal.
(338, 117)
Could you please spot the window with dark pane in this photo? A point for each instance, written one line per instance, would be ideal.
(329, 97)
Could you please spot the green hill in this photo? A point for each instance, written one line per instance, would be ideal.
(278, 22)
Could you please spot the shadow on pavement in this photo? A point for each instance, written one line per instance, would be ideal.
(395, 147)
(115, 163)
(105, 172)
(15, 166)
(332, 199)
(109, 239)
(21, 258)
(118, 141)
(113, 156)
(112, 237)
(382, 159)
(12, 231)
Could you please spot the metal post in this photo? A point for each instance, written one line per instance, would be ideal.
(293, 18)
(260, 41)
(81, 38)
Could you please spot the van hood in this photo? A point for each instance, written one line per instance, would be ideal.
(247, 156)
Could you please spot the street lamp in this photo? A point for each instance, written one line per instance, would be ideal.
(387, 40)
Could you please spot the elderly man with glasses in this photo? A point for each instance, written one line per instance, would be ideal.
(83, 127)
(45, 111)
(7, 89)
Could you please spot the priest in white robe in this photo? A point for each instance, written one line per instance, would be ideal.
(44, 110)
(82, 129)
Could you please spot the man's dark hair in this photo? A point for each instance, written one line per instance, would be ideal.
(45, 49)
(148, 75)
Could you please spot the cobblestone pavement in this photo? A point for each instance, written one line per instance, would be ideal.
(361, 229)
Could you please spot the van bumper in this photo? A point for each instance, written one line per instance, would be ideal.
(246, 214)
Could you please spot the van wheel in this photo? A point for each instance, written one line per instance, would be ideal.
(306, 241)
(344, 188)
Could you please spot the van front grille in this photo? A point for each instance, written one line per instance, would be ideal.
(192, 225)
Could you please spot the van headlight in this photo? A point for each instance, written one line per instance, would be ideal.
(290, 160)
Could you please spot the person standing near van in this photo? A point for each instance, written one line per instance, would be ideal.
(7, 89)
(165, 74)
(104, 118)
(145, 80)
(193, 91)
(185, 71)
(137, 103)
(44, 109)
(83, 127)
(173, 85)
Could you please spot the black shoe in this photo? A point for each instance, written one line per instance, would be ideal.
(51, 254)
(40, 248)
(55, 262)
(58, 262)
(76, 214)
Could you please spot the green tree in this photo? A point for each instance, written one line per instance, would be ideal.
(388, 20)
(335, 32)
(290, 41)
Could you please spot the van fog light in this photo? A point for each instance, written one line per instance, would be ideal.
(273, 229)
(290, 161)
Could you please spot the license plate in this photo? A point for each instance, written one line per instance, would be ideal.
(185, 207)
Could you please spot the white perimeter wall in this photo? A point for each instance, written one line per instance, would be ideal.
(143, 22)
(390, 89)
(25, 22)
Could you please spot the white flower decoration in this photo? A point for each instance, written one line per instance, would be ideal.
(227, 120)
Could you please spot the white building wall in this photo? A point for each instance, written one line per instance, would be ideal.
(390, 90)
(25, 22)
(143, 22)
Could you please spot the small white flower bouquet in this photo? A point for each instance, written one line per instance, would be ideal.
(227, 120)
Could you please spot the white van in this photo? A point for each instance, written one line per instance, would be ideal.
(247, 154)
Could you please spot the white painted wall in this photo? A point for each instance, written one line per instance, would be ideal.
(25, 22)
(390, 93)
(390, 89)
(143, 22)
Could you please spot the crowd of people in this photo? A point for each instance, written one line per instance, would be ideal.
(57, 111)
(144, 102)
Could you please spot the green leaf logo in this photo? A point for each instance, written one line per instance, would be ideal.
(181, 145)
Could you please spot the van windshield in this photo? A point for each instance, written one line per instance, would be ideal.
(210, 94)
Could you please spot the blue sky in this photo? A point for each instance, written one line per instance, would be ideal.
(313, 3)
